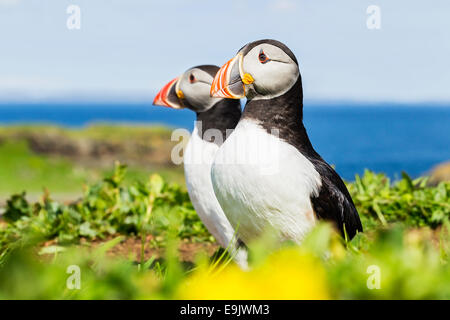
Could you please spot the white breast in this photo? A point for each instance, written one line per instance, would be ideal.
(263, 182)
(198, 158)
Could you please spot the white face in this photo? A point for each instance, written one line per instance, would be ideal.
(196, 85)
(273, 71)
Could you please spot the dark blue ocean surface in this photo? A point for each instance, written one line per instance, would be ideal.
(384, 138)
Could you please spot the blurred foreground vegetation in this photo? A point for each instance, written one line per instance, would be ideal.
(405, 243)
(136, 236)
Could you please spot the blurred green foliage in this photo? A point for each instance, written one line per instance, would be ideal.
(408, 266)
(61, 170)
(22, 168)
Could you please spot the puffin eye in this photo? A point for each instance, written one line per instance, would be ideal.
(263, 58)
(191, 78)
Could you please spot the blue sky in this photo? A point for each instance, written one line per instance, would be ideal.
(126, 50)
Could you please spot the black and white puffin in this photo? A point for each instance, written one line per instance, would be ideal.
(267, 173)
(215, 116)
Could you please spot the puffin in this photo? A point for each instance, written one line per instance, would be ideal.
(267, 175)
(215, 118)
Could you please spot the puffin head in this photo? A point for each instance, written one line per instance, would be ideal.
(190, 90)
(262, 69)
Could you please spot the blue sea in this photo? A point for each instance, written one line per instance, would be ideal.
(385, 138)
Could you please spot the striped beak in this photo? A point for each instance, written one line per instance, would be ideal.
(230, 80)
(169, 96)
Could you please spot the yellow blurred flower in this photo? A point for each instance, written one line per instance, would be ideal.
(287, 274)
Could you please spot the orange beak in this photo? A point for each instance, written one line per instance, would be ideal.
(167, 96)
(228, 82)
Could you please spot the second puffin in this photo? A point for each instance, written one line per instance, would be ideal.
(215, 116)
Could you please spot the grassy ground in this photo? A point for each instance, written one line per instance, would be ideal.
(23, 170)
(156, 135)
(144, 240)
(134, 234)
(64, 172)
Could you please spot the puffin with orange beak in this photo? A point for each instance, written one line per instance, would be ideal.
(216, 117)
(267, 175)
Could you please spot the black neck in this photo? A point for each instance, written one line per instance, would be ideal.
(224, 115)
(282, 115)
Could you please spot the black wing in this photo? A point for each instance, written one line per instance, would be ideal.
(334, 202)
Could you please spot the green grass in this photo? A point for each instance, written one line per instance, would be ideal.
(98, 131)
(23, 170)
(412, 202)
(107, 208)
(409, 267)
(406, 236)
(153, 206)
(413, 262)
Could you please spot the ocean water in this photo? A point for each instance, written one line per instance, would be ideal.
(385, 138)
